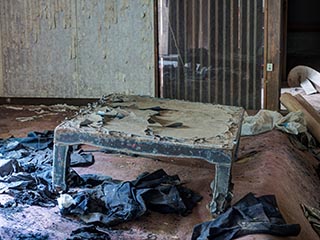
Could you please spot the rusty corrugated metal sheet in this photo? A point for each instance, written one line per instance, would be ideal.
(217, 49)
(76, 48)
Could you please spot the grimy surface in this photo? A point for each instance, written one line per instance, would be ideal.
(275, 166)
(156, 127)
(208, 125)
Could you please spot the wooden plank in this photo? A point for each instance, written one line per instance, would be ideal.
(219, 51)
(216, 51)
(259, 54)
(308, 107)
(209, 16)
(293, 105)
(156, 49)
(227, 53)
(185, 17)
(285, 35)
(177, 38)
(234, 63)
(273, 54)
(244, 31)
(182, 49)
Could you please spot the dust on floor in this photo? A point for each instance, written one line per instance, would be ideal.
(275, 166)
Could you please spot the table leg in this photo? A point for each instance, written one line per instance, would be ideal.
(61, 160)
(221, 187)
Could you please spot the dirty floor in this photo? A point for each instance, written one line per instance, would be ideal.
(268, 164)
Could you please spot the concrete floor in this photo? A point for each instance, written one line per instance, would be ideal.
(276, 167)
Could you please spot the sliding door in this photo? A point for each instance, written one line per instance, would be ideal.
(211, 51)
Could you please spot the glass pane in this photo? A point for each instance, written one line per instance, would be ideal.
(211, 51)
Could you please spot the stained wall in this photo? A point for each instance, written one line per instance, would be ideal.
(76, 48)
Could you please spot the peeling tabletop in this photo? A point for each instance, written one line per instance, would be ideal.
(154, 126)
(162, 119)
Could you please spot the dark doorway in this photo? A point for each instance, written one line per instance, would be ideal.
(303, 35)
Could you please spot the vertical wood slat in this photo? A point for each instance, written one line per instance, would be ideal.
(247, 56)
(194, 38)
(242, 46)
(178, 49)
(233, 51)
(209, 50)
(216, 51)
(273, 54)
(201, 44)
(185, 81)
(259, 57)
(258, 53)
(171, 42)
(230, 31)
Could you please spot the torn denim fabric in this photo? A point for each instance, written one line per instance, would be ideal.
(114, 202)
(88, 233)
(26, 168)
(27, 175)
(250, 215)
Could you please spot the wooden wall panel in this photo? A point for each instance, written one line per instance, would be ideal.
(273, 53)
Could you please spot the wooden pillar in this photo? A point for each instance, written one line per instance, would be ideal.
(274, 43)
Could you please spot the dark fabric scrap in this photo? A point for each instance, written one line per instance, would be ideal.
(27, 175)
(88, 233)
(21, 234)
(37, 140)
(81, 159)
(114, 202)
(26, 168)
(8, 167)
(250, 215)
(313, 216)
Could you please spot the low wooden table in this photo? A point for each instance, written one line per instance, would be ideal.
(156, 127)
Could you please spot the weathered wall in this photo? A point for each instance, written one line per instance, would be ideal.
(76, 48)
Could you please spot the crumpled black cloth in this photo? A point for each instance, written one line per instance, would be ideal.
(26, 168)
(250, 215)
(27, 175)
(88, 233)
(114, 202)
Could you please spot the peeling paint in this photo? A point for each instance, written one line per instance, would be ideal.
(125, 5)
(111, 16)
(121, 77)
(1, 55)
(76, 48)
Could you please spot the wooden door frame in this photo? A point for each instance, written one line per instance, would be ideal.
(275, 51)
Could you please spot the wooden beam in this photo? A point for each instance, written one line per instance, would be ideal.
(293, 105)
(156, 49)
(273, 53)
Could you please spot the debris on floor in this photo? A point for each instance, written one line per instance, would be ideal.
(89, 233)
(250, 215)
(26, 175)
(289, 173)
(27, 168)
(306, 77)
(266, 120)
(42, 111)
(112, 202)
(313, 216)
(297, 103)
